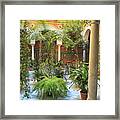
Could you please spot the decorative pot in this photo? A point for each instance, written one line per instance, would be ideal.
(83, 95)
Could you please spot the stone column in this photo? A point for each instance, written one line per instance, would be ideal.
(59, 43)
(32, 42)
(93, 60)
(32, 52)
(59, 52)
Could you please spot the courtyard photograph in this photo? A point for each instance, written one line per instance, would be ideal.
(59, 60)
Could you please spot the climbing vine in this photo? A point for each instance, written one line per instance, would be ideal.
(24, 60)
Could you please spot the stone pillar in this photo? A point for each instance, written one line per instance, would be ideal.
(32, 42)
(32, 52)
(59, 43)
(93, 60)
(59, 52)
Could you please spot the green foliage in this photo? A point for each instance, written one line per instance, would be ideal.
(59, 69)
(47, 66)
(44, 66)
(72, 32)
(48, 69)
(24, 59)
(49, 41)
(51, 88)
(43, 69)
(80, 77)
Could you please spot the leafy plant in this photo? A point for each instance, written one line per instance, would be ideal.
(59, 69)
(72, 32)
(48, 68)
(51, 88)
(24, 59)
(80, 77)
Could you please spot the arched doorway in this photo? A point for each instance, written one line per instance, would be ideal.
(87, 45)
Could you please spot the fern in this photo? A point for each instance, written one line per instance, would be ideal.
(51, 88)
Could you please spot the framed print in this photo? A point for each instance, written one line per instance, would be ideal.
(59, 59)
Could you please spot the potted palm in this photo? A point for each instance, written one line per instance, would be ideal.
(80, 78)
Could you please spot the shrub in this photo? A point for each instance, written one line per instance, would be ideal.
(51, 88)
(80, 77)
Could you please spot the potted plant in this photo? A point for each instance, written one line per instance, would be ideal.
(80, 78)
(51, 88)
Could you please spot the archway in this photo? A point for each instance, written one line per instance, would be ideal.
(87, 46)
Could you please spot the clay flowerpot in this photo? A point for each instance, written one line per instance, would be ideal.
(83, 95)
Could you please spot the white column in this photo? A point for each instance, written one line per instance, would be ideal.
(32, 52)
(32, 44)
(59, 43)
(59, 52)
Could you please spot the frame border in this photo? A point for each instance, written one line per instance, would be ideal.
(2, 56)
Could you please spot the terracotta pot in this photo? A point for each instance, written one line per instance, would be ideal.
(83, 95)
